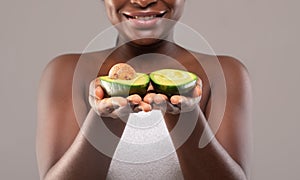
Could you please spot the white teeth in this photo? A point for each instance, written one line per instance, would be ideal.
(144, 18)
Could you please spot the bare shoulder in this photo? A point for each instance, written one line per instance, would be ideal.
(233, 67)
(63, 60)
(237, 79)
(58, 75)
(64, 82)
(61, 67)
(56, 81)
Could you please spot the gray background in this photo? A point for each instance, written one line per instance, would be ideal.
(262, 33)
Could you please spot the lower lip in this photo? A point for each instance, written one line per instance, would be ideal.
(144, 24)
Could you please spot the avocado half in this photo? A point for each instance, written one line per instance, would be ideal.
(118, 87)
(172, 81)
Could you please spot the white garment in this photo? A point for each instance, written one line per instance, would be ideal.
(145, 150)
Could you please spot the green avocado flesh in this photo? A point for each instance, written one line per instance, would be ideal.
(172, 81)
(118, 87)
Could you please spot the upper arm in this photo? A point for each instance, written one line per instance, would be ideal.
(57, 125)
(234, 132)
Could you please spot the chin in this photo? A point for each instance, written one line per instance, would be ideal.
(145, 42)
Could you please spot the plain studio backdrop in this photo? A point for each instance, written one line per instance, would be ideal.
(263, 34)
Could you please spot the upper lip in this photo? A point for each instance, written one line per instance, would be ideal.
(144, 13)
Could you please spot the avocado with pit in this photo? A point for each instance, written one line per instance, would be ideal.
(122, 87)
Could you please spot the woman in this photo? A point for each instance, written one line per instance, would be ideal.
(65, 153)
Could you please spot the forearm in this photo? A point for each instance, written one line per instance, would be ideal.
(84, 159)
(210, 162)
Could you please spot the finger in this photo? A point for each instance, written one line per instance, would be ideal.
(122, 112)
(118, 101)
(197, 91)
(199, 82)
(176, 99)
(144, 107)
(185, 104)
(99, 93)
(93, 104)
(160, 102)
(95, 89)
(105, 106)
(134, 99)
(149, 98)
(173, 109)
(181, 100)
(108, 105)
(97, 81)
(92, 89)
(189, 103)
(160, 98)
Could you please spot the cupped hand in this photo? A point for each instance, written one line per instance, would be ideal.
(114, 107)
(176, 104)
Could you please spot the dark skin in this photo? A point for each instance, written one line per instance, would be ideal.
(66, 153)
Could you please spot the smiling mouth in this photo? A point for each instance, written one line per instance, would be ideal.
(145, 17)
